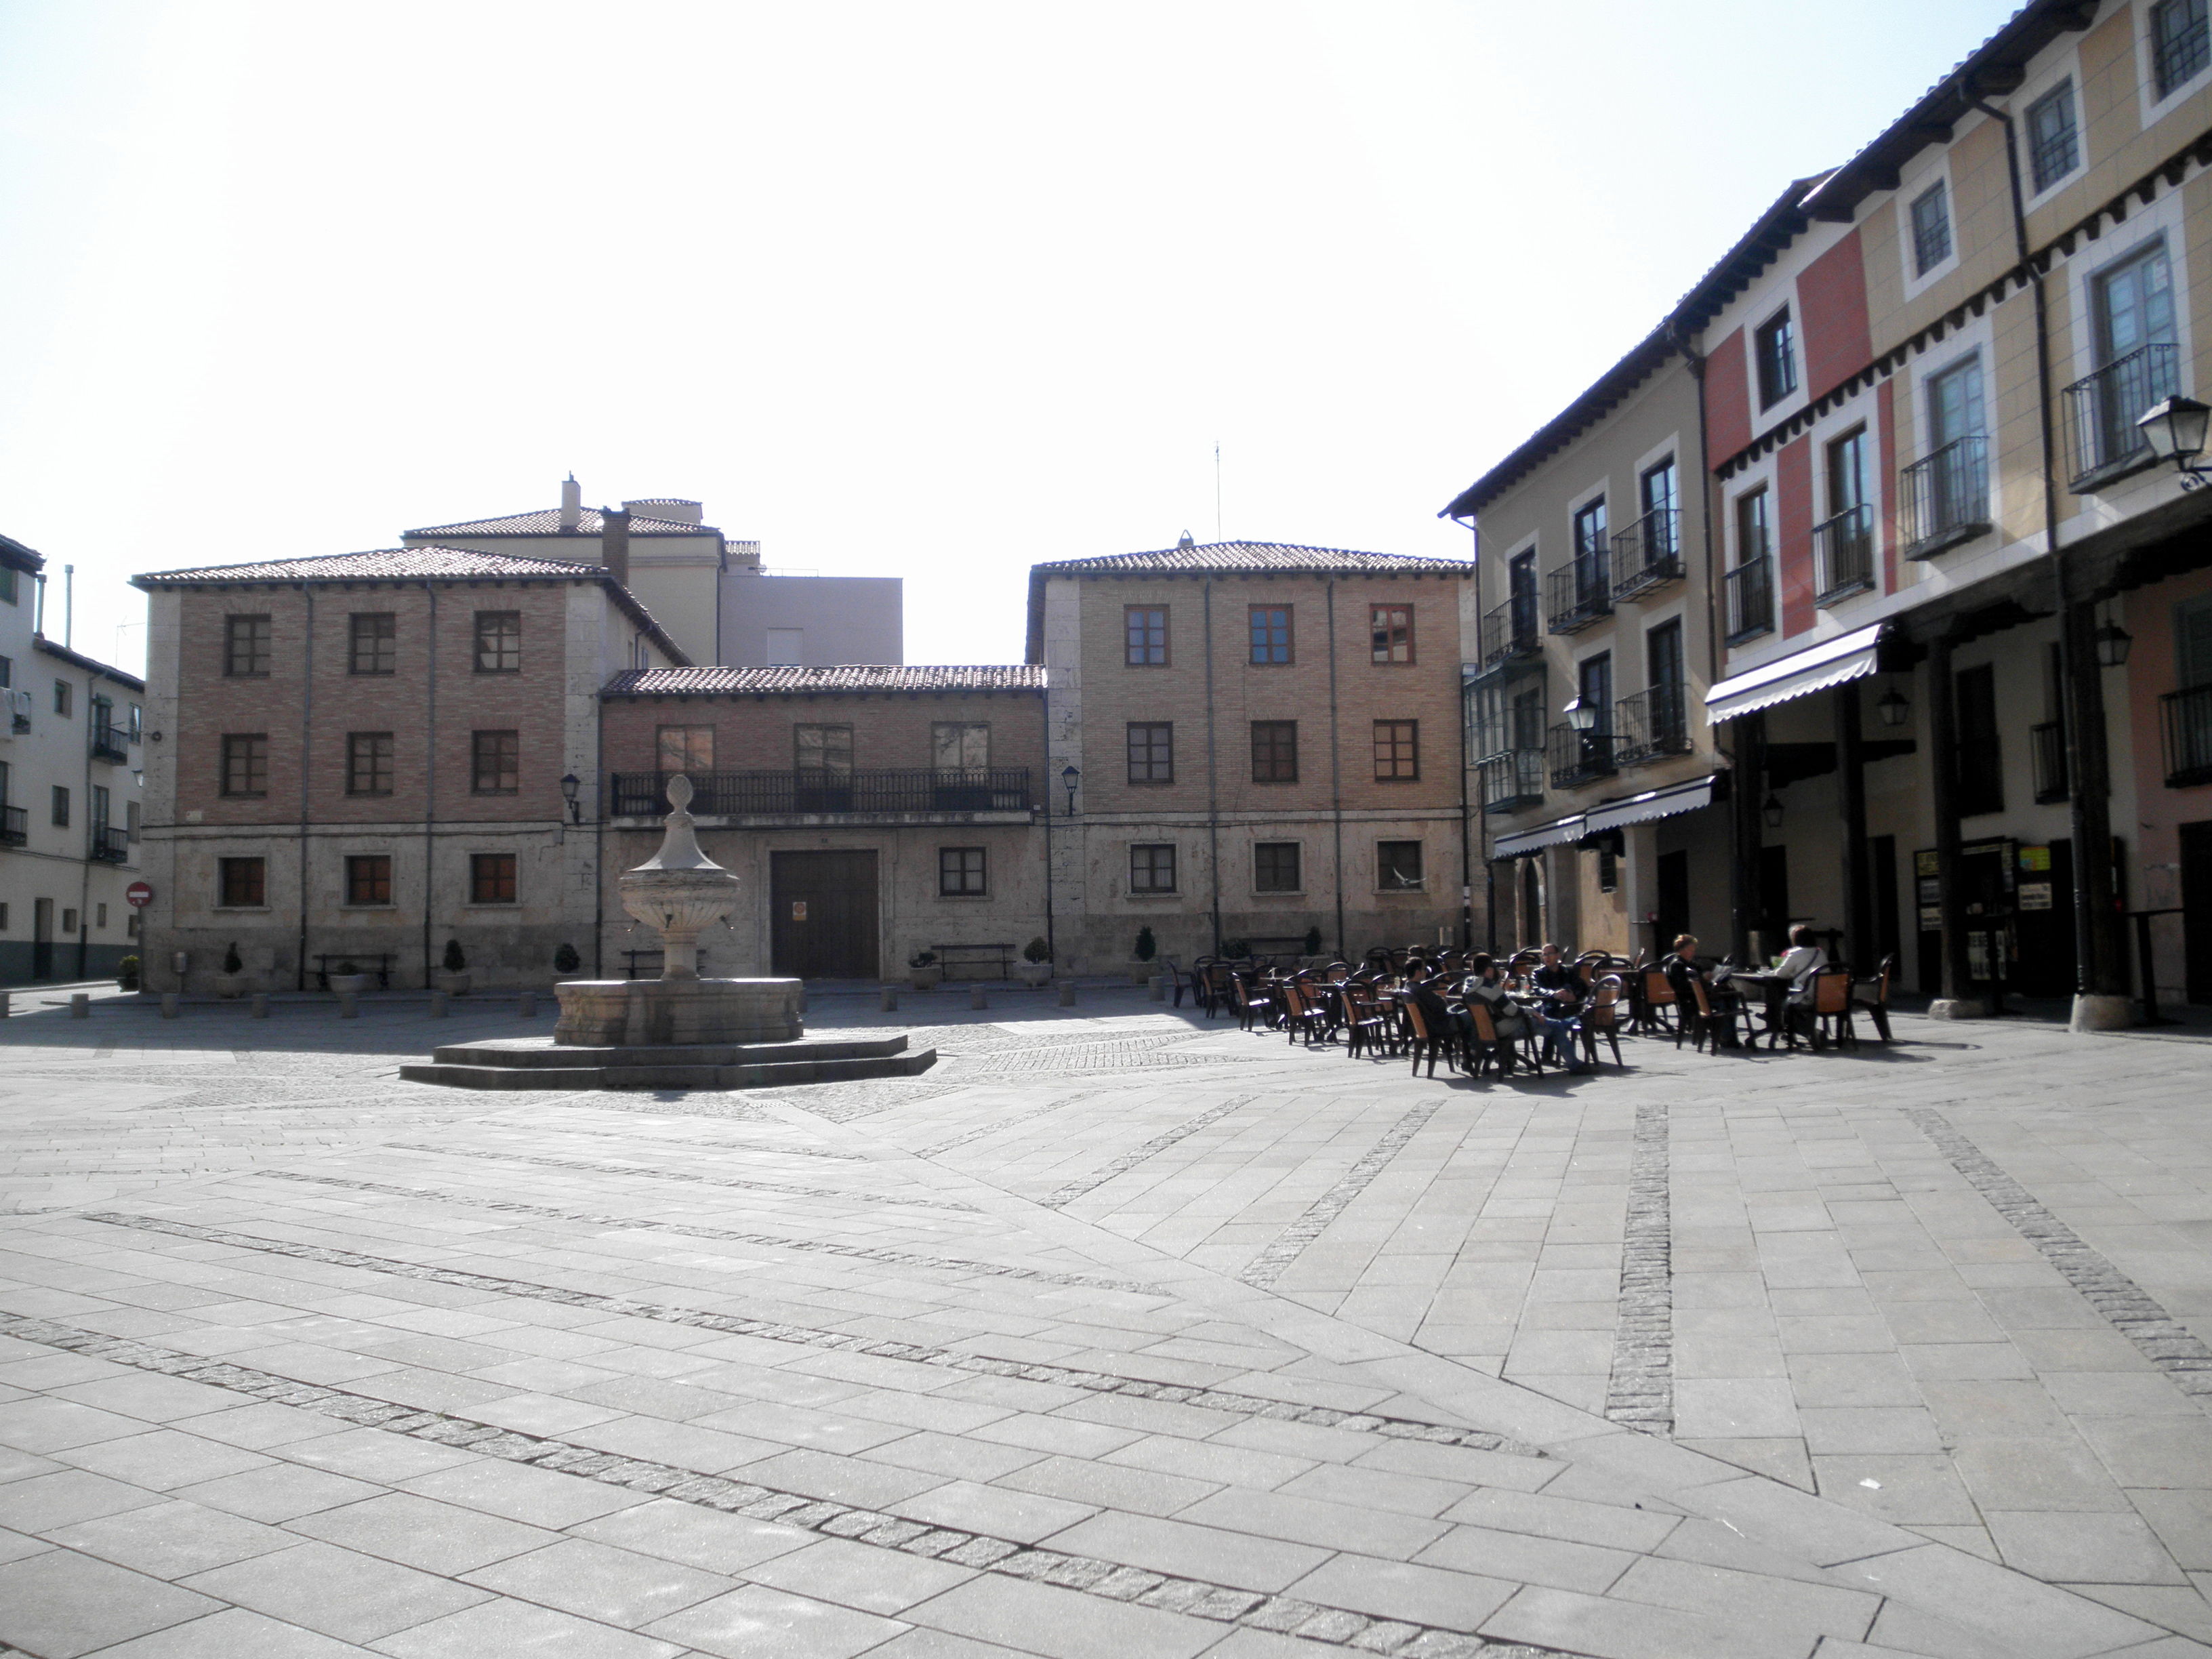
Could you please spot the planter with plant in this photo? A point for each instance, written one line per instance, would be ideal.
(1146, 949)
(1036, 966)
(1313, 941)
(927, 972)
(348, 976)
(231, 982)
(566, 961)
(126, 974)
(452, 976)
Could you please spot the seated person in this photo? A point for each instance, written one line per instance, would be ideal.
(1804, 959)
(1485, 983)
(1563, 994)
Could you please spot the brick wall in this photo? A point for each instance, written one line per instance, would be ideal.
(890, 731)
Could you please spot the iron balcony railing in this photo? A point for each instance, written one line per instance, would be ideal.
(1845, 547)
(1512, 779)
(14, 826)
(1751, 598)
(1579, 592)
(758, 794)
(111, 743)
(1511, 631)
(111, 846)
(1648, 724)
(1648, 553)
(2103, 442)
(2185, 721)
(2046, 750)
(1946, 497)
(1579, 757)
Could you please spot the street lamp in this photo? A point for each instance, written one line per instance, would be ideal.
(1771, 809)
(1068, 775)
(1582, 714)
(571, 786)
(2113, 642)
(1893, 707)
(2175, 430)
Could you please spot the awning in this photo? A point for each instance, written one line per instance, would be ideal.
(1535, 840)
(1837, 662)
(1651, 804)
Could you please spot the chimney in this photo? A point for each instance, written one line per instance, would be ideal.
(572, 503)
(614, 542)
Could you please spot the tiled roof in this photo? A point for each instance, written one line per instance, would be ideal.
(383, 563)
(1254, 555)
(845, 676)
(547, 523)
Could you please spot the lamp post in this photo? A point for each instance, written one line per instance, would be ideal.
(2113, 642)
(1771, 809)
(571, 788)
(1068, 775)
(2175, 429)
(1581, 714)
(1894, 707)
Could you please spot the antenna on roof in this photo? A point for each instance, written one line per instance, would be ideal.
(1217, 489)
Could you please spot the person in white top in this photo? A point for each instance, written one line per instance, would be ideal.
(1804, 959)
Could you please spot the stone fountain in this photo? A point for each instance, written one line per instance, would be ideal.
(679, 1031)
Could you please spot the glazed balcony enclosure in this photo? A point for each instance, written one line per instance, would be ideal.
(1001, 793)
(1512, 780)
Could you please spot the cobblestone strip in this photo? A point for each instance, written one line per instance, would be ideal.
(1008, 1122)
(664, 1144)
(1269, 1264)
(1218, 1603)
(2158, 1335)
(1641, 1390)
(1222, 1400)
(685, 1174)
(964, 1265)
(1152, 1148)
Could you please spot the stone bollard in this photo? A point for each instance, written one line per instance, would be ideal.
(349, 1005)
(80, 1005)
(890, 998)
(979, 998)
(440, 1005)
(1159, 984)
(1068, 993)
(526, 1006)
(260, 1008)
(168, 1005)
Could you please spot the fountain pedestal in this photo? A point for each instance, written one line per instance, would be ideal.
(655, 1012)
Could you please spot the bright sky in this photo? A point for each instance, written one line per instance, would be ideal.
(935, 291)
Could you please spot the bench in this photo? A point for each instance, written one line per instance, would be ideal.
(644, 964)
(997, 960)
(368, 961)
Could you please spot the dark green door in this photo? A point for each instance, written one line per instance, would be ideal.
(822, 915)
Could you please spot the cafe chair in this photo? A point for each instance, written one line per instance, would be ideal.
(1877, 1005)
(1305, 1016)
(1602, 1018)
(1661, 1011)
(1251, 1006)
(1491, 1049)
(1367, 1023)
(1711, 1024)
(1422, 1043)
(1830, 1009)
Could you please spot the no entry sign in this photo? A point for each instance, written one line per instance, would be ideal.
(139, 894)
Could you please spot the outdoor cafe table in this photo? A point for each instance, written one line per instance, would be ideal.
(1775, 989)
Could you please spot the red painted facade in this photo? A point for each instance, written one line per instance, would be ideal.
(1793, 504)
(1832, 305)
(1886, 436)
(1728, 399)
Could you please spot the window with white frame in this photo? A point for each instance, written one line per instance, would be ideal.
(1931, 228)
(2054, 139)
(2181, 44)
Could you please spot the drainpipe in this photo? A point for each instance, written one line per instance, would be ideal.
(430, 786)
(1482, 835)
(306, 765)
(1335, 767)
(600, 805)
(1212, 778)
(1044, 754)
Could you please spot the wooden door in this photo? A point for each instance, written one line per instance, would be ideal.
(1673, 902)
(42, 938)
(822, 915)
(2196, 909)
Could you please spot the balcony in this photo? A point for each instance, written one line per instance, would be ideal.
(14, 826)
(2046, 750)
(2185, 720)
(1649, 726)
(110, 846)
(1512, 780)
(111, 743)
(1578, 594)
(1510, 632)
(1843, 546)
(1579, 758)
(1648, 553)
(1751, 600)
(2103, 442)
(1946, 498)
(792, 794)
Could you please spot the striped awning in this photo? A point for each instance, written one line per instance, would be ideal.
(1651, 804)
(1535, 840)
(1848, 657)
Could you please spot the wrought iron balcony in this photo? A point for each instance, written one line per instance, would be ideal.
(1513, 780)
(2046, 749)
(2103, 442)
(1649, 725)
(1510, 631)
(1647, 554)
(774, 795)
(1579, 594)
(1946, 498)
(1751, 598)
(1577, 757)
(1845, 547)
(2185, 721)
(111, 743)
(14, 826)
(110, 845)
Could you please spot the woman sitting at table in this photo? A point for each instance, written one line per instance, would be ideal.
(1563, 994)
(1485, 983)
(1804, 960)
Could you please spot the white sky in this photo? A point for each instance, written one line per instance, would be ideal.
(932, 290)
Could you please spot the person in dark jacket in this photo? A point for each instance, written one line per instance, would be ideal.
(1564, 996)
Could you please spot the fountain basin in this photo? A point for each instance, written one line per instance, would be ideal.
(542, 1063)
(633, 1012)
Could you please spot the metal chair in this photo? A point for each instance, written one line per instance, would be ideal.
(1602, 1017)
(1877, 1010)
(1711, 1023)
(1421, 1041)
(1830, 1008)
(1250, 1007)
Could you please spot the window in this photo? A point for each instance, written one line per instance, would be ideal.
(2180, 45)
(1775, 344)
(241, 883)
(63, 693)
(246, 763)
(1275, 867)
(132, 820)
(1751, 583)
(103, 807)
(1274, 751)
(1589, 531)
(689, 749)
(786, 647)
(1392, 627)
(1397, 750)
(1847, 471)
(100, 915)
(136, 727)
(1146, 634)
(1594, 685)
(2134, 307)
(1521, 595)
(368, 762)
(491, 878)
(1662, 666)
(960, 872)
(1660, 492)
(499, 641)
(495, 762)
(1152, 867)
(246, 648)
(6, 667)
(2192, 644)
(8, 583)
(1931, 228)
(368, 878)
(1955, 403)
(1752, 530)
(1271, 632)
(960, 746)
(2054, 148)
(372, 642)
(1151, 751)
(61, 807)
(823, 750)
(69, 921)
(1979, 763)
(1397, 866)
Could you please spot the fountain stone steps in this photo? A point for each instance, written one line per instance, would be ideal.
(539, 1063)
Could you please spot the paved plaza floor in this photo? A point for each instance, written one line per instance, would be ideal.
(1119, 1334)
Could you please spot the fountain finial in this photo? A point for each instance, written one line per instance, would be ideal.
(679, 842)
